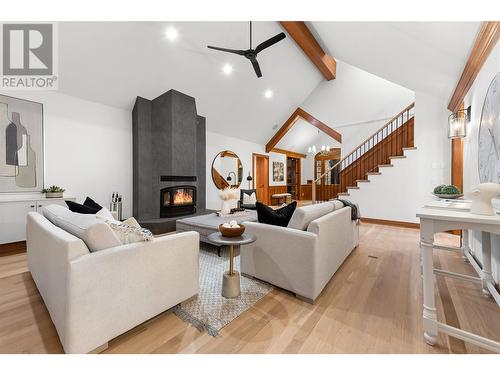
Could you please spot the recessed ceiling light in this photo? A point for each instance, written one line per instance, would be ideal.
(171, 33)
(227, 69)
(268, 94)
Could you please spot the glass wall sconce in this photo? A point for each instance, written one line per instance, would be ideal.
(457, 122)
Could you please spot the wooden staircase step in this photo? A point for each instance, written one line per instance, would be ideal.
(409, 148)
(385, 165)
(373, 173)
(362, 181)
(343, 194)
(352, 187)
(397, 157)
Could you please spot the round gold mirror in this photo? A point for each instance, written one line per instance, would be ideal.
(227, 170)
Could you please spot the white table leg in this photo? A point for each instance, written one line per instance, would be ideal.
(429, 313)
(486, 275)
(465, 244)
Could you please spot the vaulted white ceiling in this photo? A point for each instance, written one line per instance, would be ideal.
(303, 135)
(422, 56)
(113, 62)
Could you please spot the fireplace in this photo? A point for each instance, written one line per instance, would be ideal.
(177, 201)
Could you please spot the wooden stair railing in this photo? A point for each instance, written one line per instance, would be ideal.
(375, 152)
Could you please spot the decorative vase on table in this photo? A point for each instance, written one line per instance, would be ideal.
(228, 196)
(226, 207)
(54, 195)
(481, 198)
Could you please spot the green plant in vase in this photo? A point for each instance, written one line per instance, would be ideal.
(444, 191)
(53, 192)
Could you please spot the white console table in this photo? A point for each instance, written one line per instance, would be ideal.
(13, 211)
(432, 221)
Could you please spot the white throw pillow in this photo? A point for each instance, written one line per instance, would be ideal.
(104, 214)
(129, 231)
(96, 234)
(249, 199)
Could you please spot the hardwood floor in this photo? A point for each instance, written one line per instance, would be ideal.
(372, 305)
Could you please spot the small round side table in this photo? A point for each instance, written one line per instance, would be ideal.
(231, 278)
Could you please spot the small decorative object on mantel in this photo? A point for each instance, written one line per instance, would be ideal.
(481, 197)
(447, 192)
(228, 196)
(53, 192)
(232, 229)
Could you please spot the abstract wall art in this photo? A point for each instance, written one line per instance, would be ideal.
(278, 171)
(21, 145)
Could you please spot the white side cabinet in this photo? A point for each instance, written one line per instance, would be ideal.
(13, 213)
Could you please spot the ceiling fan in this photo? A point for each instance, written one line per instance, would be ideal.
(251, 54)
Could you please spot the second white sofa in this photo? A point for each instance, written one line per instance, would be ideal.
(302, 257)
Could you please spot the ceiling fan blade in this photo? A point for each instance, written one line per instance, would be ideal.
(256, 67)
(236, 51)
(268, 43)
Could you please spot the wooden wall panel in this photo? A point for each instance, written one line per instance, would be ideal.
(306, 192)
(276, 190)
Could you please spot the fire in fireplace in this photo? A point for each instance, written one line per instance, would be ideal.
(177, 201)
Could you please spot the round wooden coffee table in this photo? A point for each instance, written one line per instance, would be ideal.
(231, 278)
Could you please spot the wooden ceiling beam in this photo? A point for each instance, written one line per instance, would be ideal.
(282, 131)
(320, 125)
(299, 32)
(485, 41)
(291, 154)
(300, 113)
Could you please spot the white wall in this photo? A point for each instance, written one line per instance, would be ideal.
(475, 98)
(307, 169)
(244, 149)
(88, 147)
(400, 191)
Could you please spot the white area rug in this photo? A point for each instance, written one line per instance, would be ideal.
(209, 311)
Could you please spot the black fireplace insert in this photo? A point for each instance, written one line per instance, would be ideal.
(177, 201)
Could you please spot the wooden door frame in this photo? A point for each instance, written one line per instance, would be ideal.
(298, 185)
(255, 155)
(322, 156)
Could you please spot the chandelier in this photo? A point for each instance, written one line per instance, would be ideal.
(312, 149)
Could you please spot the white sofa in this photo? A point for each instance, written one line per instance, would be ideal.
(302, 257)
(93, 297)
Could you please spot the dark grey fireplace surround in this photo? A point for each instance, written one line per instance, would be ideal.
(169, 149)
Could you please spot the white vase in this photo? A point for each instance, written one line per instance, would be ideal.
(481, 198)
(226, 207)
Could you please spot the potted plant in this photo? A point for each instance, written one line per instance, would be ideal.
(447, 192)
(53, 192)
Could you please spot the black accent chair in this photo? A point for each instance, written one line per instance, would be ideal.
(249, 192)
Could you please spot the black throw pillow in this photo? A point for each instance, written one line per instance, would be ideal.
(81, 208)
(279, 217)
(89, 202)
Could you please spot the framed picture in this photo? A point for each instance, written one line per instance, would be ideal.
(21, 145)
(278, 171)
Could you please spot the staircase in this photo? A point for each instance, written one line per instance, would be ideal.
(369, 158)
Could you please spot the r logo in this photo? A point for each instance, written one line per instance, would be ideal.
(27, 49)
